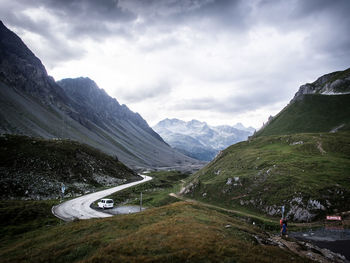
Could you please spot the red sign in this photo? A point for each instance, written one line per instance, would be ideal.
(335, 218)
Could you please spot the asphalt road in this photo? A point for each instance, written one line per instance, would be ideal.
(80, 207)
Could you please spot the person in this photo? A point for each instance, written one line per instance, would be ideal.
(284, 229)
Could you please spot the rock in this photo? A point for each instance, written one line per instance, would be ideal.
(297, 143)
(314, 204)
(300, 214)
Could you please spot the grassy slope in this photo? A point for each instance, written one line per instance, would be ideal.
(314, 113)
(174, 233)
(155, 193)
(26, 162)
(271, 172)
(18, 217)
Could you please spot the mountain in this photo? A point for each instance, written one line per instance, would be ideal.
(240, 126)
(300, 159)
(321, 106)
(199, 140)
(33, 104)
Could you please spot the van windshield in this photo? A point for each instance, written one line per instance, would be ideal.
(109, 201)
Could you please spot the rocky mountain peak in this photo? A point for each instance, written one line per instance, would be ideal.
(95, 104)
(21, 69)
(335, 83)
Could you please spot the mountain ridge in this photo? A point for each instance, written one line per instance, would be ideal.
(33, 104)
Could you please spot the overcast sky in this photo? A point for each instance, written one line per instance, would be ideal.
(216, 61)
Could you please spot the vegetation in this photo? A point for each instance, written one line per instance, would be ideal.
(34, 168)
(155, 192)
(306, 171)
(18, 217)
(177, 232)
(314, 113)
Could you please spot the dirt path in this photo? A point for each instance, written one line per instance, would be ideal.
(319, 147)
(242, 213)
(220, 208)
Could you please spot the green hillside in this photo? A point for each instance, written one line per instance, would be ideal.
(313, 113)
(33, 168)
(308, 173)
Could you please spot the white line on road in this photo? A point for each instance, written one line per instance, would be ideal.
(80, 207)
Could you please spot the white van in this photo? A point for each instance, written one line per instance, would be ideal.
(106, 203)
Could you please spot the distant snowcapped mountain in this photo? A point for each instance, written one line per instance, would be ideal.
(240, 126)
(199, 140)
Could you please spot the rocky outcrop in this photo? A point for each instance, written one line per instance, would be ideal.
(335, 83)
(21, 69)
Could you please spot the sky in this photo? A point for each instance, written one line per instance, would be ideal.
(219, 61)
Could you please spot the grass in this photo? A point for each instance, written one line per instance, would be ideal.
(19, 217)
(178, 232)
(155, 193)
(311, 115)
(271, 172)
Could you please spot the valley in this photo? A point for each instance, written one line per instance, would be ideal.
(209, 193)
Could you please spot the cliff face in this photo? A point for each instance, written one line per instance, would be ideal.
(335, 83)
(33, 104)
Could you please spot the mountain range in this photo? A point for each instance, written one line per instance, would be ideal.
(33, 104)
(198, 139)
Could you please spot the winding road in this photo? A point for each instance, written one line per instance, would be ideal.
(80, 207)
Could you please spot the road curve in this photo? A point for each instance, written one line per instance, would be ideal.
(80, 207)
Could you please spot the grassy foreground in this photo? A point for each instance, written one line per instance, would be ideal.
(179, 232)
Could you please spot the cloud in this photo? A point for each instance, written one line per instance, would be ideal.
(141, 93)
(210, 59)
(234, 104)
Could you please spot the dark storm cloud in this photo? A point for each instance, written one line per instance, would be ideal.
(83, 17)
(93, 18)
(322, 24)
(327, 22)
